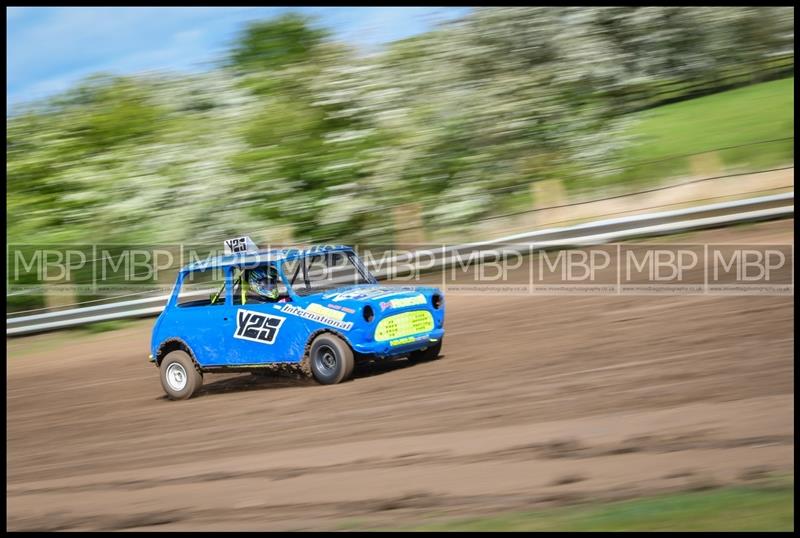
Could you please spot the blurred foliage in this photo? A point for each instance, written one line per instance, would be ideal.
(297, 129)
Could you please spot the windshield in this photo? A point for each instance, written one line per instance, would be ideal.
(326, 271)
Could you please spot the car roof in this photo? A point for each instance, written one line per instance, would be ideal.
(262, 256)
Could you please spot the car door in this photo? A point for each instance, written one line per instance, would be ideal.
(204, 325)
(263, 332)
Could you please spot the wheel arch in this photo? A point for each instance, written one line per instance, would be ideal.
(313, 336)
(334, 332)
(174, 344)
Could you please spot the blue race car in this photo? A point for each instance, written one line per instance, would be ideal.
(325, 312)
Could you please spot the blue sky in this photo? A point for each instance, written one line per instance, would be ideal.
(49, 49)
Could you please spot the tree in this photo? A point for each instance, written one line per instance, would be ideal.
(273, 44)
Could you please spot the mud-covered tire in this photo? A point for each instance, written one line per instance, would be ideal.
(180, 378)
(427, 354)
(331, 359)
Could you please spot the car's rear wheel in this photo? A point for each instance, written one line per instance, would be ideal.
(427, 354)
(331, 359)
(180, 379)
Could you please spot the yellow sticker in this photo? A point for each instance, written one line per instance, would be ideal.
(325, 311)
(405, 324)
(401, 341)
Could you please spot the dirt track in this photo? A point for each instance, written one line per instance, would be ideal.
(537, 400)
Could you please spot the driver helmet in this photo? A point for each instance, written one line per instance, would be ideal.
(264, 281)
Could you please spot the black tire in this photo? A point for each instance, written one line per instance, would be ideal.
(427, 354)
(331, 359)
(180, 378)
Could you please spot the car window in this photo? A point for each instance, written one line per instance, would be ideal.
(200, 288)
(328, 271)
(294, 272)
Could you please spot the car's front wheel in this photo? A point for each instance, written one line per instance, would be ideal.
(331, 359)
(180, 379)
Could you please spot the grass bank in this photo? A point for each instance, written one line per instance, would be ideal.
(735, 119)
(767, 506)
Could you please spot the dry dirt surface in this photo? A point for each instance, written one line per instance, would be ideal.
(535, 401)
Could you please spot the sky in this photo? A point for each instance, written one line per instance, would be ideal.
(50, 49)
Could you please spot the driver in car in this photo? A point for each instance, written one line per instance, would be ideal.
(263, 282)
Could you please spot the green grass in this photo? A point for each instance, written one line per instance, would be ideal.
(759, 112)
(752, 114)
(765, 507)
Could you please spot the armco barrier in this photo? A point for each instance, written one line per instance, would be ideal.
(597, 232)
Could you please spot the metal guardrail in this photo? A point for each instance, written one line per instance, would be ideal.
(597, 232)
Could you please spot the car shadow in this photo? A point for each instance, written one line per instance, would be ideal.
(373, 367)
(243, 382)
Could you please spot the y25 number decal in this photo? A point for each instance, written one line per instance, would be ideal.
(236, 245)
(257, 326)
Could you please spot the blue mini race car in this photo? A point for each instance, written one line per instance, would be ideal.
(328, 311)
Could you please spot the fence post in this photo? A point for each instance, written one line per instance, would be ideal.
(547, 193)
(705, 164)
(408, 224)
(57, 296)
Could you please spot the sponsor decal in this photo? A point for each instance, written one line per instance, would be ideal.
(359, 293)
(401, 341)
(325, 311)
(403, 302)
(257, 326)
(342, 308)
(402, 325)
(319, 318)
(316, 249)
